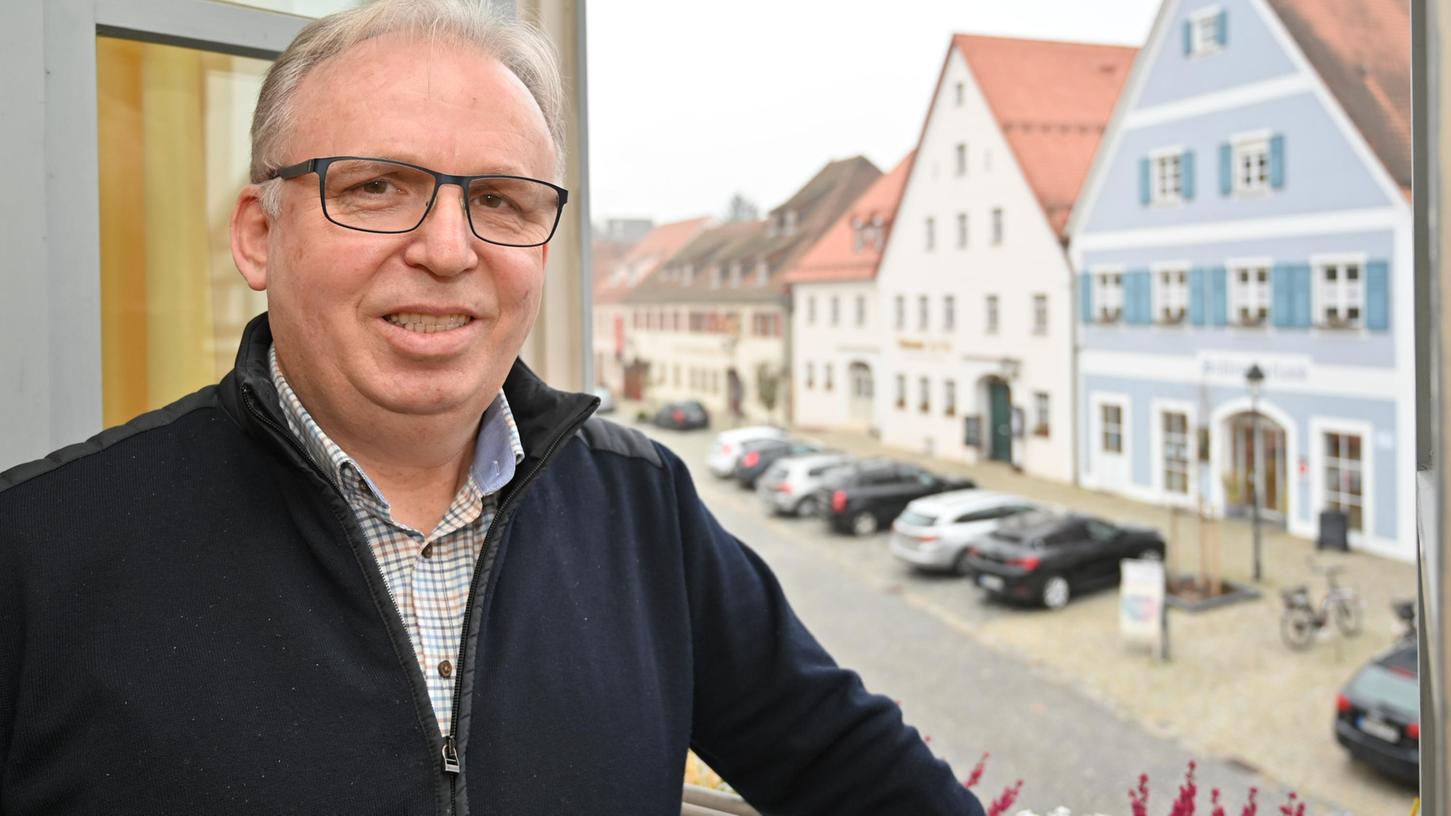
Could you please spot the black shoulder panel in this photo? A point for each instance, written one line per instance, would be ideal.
(604, 435)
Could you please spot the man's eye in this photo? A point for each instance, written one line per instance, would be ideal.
(377, 186)
(493, 201)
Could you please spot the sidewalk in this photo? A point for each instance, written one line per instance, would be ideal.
(1231, 689)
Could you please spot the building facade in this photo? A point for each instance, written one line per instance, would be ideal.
(1251, 208)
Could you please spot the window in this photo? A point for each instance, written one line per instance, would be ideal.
(835, 310)
(1172, 294)
(1249, 294)
(958, 94)
(961, 155)
(810, 375)
(1108, 294)
(763, 273)
(991, 324)
(1040, 413)
(949, 397)
(1204, 32)
(931, 233)
(1252, 165)
(924, 396)
(1176, 452)
(901, 304)
(1168, 178)
(922, 313)
(1344, 489)
(735, 275)
(861, 310)
(949, 313)
(826, 376)
(811, 309)
(1040, 314)
(997, 225)
(962, 230)
(901, 391)
(1112, 428)
(1340, 295)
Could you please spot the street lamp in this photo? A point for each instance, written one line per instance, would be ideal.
(1255, 377)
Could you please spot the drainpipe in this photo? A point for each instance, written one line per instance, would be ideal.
(1074, 310)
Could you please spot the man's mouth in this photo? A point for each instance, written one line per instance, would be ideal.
(428, 324)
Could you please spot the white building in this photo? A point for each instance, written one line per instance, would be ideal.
(974, 285)
(836, 326)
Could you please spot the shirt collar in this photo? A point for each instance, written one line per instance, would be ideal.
(498, 449)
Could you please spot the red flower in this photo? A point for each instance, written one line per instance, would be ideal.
(976, 772)
(1002, 803)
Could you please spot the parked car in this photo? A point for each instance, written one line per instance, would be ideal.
(1050, 557)
(682, 416)
(759, 454)
(1378, 714)
(607, 399)
(789, 486)
(728, 446)
(866, 497)
(932, 534)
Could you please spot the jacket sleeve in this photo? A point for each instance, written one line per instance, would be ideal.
(774, 715)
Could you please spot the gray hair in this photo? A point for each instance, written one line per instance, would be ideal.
(519, 46)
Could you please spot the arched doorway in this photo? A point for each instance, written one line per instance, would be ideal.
(1257, 466)
(859, 394)
(1000, 420)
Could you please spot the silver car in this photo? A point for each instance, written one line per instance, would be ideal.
(932, 534)
(790, 485)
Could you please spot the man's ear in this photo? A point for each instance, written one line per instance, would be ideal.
(250, 226)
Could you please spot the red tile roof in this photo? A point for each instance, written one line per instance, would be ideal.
(838, 256)
(1362, 51)
(636, 264)
(1052, 101)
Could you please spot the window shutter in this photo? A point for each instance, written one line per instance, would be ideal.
(1085, 297)
(1196, 296)
(1186, 175)
(1377, 296)
(1219, 295)
(1221, 28)
(1300, 275)
(1137, 309)
(1282, 296)
(1226, 168)
(1144, 181)
(1188, 38)
(1277, 161)
(1146, 296)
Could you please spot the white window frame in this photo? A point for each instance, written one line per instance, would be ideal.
(949, 397)
(1041, 317)
(901, 392)
(924, 312)
(959, 153)
(1319, 426)
(811, 310)
(962, 226)
(998, 225)
(992, 319)
(901, 313)
(810, 375)
(1202, 23)
(1257, 295)
(1160, 160)
(1247, 147)
(1158, 446)
(835, 310)
(861, 310)
(1342, 295)
(1101, 437)
(931, 236)
(1171, 293)
(924, 394)
(949, 313)
(1108, 301)
(1042, 413)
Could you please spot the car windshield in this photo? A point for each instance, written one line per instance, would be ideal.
(1376, 683)
(912, 518)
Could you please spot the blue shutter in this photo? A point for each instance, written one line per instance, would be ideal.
(1188, 38)
(1146, 296)
(1130, 288)
(1221, 28)
(1138, 300)
(1219, 295)
(1085, 297)
(1226, 168)
(1186, 175)
(1144, 181)
(1196, 296)
(1300, 286)
(1377, 296)
(1277, 161)
(1282, 296)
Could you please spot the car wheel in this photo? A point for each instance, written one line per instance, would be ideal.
(863, 523)
(807, 507)
(960, 565)
(1056, 592)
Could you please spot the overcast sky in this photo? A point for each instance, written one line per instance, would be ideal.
(690, 102)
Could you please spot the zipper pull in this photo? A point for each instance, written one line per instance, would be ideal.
(450, 756)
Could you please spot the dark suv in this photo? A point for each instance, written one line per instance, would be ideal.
(866, 496)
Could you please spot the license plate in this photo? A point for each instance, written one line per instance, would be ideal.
(992, 582)
(1379, 730)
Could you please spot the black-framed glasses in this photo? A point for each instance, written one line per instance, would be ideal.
(385, 196)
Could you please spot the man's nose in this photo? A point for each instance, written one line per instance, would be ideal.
(444, 243)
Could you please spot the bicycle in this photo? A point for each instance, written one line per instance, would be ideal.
(1301, 620)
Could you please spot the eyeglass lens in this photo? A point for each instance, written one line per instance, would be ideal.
(381, 196)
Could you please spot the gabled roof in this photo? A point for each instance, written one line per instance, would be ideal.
(639, 262)
(1052, 101)
(605, 256)
(838, 256)
(714, 246)
(1362, 51)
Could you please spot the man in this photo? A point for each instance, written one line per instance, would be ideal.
(381, 567)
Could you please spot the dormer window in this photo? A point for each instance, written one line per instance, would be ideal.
(789, 225)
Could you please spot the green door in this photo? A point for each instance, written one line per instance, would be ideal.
(1001, 421)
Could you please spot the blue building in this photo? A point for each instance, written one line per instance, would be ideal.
(1250, 206)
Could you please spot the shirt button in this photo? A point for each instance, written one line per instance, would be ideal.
(445, 669)
(427, 550)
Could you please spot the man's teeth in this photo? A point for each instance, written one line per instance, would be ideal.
(427, 324)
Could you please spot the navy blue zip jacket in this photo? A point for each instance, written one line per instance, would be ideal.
(191, 623)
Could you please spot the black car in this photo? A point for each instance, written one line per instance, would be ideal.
(1049, 557)
(864, 497)
(760, 454)
(682, 416)
(1378, 714)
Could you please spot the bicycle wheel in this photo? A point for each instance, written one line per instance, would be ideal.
(1297, 628)
(1348, 617)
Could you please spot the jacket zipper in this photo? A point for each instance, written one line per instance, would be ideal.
(451, 762)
